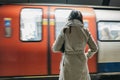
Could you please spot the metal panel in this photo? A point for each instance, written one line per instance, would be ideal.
(19, 58)
(84, 2)
(47, 1)
(107, 15)
(115, 3)
(13, 1)
(106, 49)
(109, 51)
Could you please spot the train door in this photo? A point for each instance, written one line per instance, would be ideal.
(108, 27)
(58, 19)
(23, 40)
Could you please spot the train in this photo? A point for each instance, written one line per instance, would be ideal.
(27, 32)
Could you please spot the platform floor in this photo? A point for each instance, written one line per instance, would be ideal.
(113, 77)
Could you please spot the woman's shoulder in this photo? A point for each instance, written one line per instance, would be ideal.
(86, 30)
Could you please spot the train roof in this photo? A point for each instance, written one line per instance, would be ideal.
(66, 5)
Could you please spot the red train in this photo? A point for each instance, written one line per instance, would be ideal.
(27, 32)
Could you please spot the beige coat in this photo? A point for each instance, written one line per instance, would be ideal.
(74, 62)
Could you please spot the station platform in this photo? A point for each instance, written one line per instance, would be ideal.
(106, 77)
(31, 78)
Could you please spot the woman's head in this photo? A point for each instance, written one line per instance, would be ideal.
(76, 15)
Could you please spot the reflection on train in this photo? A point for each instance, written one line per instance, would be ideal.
(27, 32)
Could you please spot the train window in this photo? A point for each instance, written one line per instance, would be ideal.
(31, 24)
(61, 16)
(109, 30)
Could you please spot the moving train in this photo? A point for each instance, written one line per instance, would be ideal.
(27, 32)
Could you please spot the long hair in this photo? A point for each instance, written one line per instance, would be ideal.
(75, 14)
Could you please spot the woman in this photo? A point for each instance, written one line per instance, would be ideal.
(74, 37)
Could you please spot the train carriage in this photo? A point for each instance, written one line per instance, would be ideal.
(27, 32)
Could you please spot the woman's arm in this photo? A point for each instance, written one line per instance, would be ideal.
(57, 45)
(92, 45)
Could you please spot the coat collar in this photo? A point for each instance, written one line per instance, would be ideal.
(75, 23)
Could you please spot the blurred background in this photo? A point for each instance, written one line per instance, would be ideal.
(81, 2)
